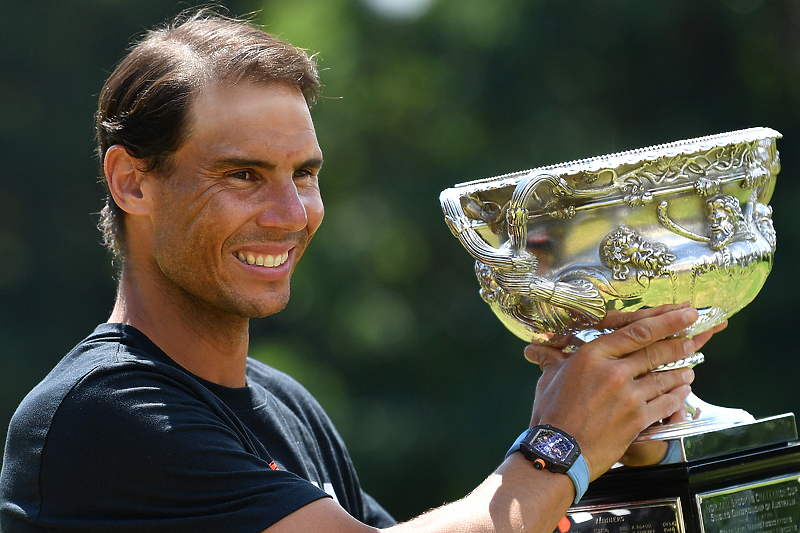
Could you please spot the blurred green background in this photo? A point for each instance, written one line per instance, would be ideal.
(385, 325)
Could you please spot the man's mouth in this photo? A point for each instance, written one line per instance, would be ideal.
(263, 260)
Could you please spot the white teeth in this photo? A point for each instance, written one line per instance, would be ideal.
(263, 260)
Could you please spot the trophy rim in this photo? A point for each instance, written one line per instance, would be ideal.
(633, 157)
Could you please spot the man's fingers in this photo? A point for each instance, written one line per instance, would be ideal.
(644, 332)
(668, 404)
(656, 384)
(670, 350)
(547, 357)
(660, 353)
(618, 319)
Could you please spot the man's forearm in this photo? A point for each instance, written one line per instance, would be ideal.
(515, 498)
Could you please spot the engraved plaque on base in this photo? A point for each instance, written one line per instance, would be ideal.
(750, 492)
(768, 506)
(663, 516)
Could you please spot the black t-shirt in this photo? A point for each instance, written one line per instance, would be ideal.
(118, 437)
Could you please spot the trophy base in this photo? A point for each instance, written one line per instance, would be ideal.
(725, 429)
(711, 491)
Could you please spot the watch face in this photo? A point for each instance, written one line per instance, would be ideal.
(552, 444)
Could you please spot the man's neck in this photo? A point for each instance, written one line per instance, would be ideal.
(207, 343)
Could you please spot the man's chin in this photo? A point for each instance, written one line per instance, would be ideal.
(269, 309)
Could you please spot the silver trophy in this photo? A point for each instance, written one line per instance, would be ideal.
(558, 248)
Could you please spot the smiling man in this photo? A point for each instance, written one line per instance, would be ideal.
(158, 421)
(220, 236)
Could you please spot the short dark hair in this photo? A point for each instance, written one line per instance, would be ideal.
(144, 105)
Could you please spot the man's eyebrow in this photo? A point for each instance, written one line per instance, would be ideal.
(234, 161)
(314, 162)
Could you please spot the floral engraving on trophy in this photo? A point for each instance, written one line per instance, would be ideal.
(707, 186)
(753, 162)
(625, 252)
(756, 171)
(635, 194)
(566, 213)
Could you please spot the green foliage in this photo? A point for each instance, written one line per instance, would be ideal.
(385, 324)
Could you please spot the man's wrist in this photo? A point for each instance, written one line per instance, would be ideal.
(543, 455)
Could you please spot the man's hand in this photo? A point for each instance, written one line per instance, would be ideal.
(605, 394)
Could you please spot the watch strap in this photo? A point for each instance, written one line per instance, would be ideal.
(515, 447)
(578, 473)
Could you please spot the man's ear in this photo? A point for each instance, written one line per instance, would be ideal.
(125, 180)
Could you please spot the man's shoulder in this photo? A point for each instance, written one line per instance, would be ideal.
(111, 347)
(112, 358)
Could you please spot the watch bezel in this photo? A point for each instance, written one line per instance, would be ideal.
(551, 463)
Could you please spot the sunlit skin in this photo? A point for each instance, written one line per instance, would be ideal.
(245, 185)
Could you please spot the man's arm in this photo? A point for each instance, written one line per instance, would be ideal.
(516, 497)
(604, 395)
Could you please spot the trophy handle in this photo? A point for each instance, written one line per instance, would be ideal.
(517, 213)
(512, 275)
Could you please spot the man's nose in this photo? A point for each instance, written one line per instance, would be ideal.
(282, 207)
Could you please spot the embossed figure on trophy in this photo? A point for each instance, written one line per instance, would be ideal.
(762, 220)
(725, 221)
(625, 253)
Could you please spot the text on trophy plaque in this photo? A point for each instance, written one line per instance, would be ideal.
(769, 506)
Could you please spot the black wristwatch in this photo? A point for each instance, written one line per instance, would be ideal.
(549, 447)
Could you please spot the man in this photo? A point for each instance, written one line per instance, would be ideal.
(158, 421)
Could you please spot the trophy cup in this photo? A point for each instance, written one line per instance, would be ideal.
(558, 248)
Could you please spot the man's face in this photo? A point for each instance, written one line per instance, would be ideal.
(238, 211)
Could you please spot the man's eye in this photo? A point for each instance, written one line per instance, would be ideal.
(303, 173)
(244, 175)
